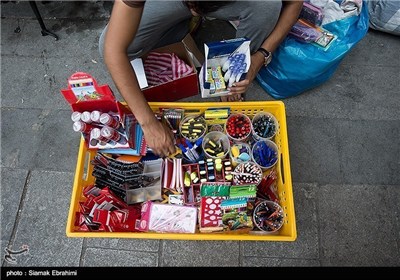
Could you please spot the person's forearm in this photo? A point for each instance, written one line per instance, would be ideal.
(121, 31)
(288, 17)
(125, 79)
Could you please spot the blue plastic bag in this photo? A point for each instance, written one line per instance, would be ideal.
(297, 67)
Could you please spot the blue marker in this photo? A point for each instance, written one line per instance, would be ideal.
(186, 152)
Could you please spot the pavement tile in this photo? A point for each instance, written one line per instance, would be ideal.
(354, 92)
(63, 67)
(275, 262)
(200, 253)
(306, 244)
(43, 221)
(124, 244)
(107, 257)
(12, 186)
(374, 159)
(375, 49)
(394, 202)
(32, 91)
(10, 34)
(314, 151)
(80, 37)
(45, 77)
(357, 226)
(58, 9)
(50, 143)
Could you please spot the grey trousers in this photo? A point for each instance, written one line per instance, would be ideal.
(167, 22)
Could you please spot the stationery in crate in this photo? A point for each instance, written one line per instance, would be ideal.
(103, 211)
(172, 177)
(212, 195)
(132, 182)
(167, 218)
(226, 62)
(103, 121)
(237, 209)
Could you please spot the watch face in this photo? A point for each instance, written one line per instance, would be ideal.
(268, 59)
(267, 56)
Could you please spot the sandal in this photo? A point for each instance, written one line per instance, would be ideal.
(227, 98)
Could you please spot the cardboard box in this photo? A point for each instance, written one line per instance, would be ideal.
(179, 88)
(226, 62)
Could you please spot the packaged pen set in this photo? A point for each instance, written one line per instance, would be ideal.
(226, 62)
(308, 27)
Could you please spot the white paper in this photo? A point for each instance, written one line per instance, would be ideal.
(138, 68)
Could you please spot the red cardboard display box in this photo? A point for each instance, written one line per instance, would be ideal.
(176, 89)
(84, 94)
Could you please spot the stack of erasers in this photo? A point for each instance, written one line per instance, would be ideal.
(216, 79)
(193, 127)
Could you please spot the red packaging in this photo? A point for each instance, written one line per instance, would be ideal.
(176, 89)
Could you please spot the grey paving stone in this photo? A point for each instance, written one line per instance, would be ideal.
(76, 38)
(45, 77)
(357, 226)
(108, 257)
(62, 68)
(200, 253)
(124, 244)
(306, 244)
(376, 48)
(43, 221)
(34, 89)
(59, 9)
(263, 262)
(369, 152)
(12, 186)
(43, 139)
(314, 151)
(10, 34)
(353, 92)
(394, 202)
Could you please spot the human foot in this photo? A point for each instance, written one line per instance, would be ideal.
(232, 98)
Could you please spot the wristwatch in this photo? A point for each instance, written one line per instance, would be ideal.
(267, 56)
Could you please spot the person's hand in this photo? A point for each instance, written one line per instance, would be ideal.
(241, 87)
(159, 138)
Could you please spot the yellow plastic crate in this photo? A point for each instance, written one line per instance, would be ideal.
(288, 232)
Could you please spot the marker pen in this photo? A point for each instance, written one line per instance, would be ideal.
(76, 116)
(108, 120)
(112, 134)
(95, 116)
(80, 126)
(85, 117)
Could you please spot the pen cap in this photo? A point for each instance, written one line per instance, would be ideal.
(193, 127)
(265, 153)
(216, 145)
(268, 216)
(238, 127)
(264, 126)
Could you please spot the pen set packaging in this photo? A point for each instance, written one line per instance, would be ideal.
(226, 63)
